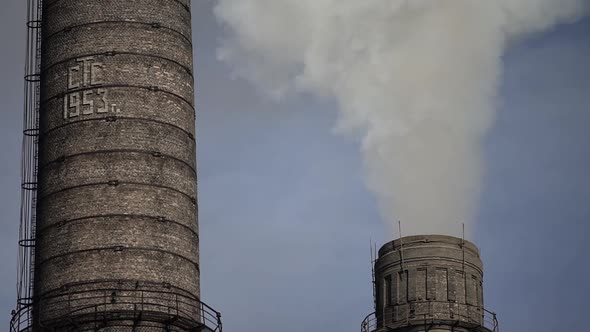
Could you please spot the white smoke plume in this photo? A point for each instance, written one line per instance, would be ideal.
(416, 78)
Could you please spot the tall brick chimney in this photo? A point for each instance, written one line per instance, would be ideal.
(429, 283)
(117, 240)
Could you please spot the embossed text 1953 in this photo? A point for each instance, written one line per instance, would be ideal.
(86, 96)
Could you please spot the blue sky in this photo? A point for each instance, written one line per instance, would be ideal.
(285, 217)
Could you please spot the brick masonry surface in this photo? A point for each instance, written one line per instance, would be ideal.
(117, 229)
(429, 278)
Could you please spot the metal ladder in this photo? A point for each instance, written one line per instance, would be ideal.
(23, 320)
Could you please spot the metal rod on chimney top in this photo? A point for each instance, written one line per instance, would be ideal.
(463, 246)
(401, 245)
(374, 285)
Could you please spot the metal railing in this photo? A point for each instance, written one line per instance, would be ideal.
(90, 308)
(474, 318)
(21, 320)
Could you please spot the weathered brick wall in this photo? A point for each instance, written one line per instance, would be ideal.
(439, 280)
(117, 171)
